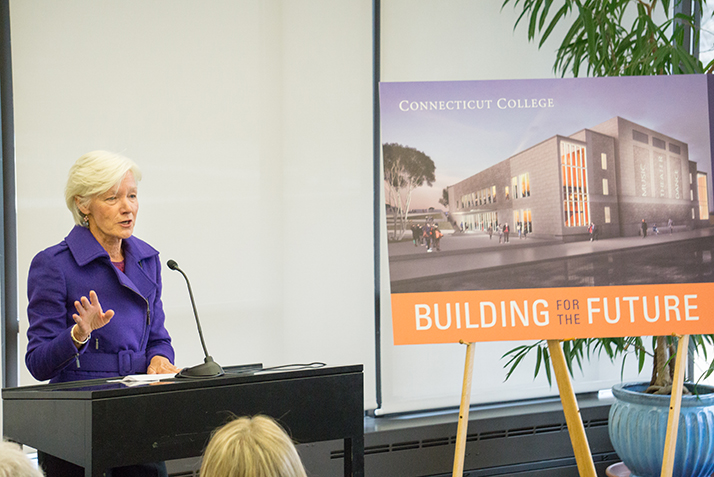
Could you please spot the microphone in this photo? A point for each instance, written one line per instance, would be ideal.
(209, 368)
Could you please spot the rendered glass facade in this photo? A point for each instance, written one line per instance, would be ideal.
(614, 174)
(574, 174)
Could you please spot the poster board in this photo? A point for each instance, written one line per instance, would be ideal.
(539, 162)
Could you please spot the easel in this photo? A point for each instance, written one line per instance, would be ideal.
(675, 403)
(464, 412)
(578, 438)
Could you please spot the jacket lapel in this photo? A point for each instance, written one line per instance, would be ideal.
(85, 249)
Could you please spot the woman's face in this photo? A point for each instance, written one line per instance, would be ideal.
(112, 215)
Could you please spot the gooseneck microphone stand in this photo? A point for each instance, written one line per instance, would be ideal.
(209, 368)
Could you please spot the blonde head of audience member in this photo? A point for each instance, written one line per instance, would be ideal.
(14, 462)
(251, 447)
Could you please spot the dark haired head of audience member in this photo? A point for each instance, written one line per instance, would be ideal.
(251, 447)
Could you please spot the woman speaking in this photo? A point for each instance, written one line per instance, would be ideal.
(95, 298)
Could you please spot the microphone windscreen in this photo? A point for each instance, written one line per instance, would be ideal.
(172, 265)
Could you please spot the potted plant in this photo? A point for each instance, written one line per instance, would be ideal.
(638, 419)
(618, 38)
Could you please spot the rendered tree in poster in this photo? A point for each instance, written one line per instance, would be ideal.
(444, 197)
(615, 38)
(405, 169)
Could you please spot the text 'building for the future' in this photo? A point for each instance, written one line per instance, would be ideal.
(614, 175)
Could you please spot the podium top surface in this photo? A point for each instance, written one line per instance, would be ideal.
(108, 387)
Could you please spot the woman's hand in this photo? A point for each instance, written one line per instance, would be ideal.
(89, 317)
(161, 365)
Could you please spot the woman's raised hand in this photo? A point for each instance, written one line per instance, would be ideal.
(89, 316)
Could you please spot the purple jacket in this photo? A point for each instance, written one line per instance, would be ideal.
(67, 271)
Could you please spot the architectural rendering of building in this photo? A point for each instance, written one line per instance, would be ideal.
(615, 175)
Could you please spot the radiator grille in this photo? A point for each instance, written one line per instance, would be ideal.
(471, 437)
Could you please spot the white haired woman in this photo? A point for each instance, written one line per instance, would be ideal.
(72, 336)
(251, 447)
(14, 462)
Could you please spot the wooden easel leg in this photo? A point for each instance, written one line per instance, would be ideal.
(464, 412)
(581, 448)
(675, 403)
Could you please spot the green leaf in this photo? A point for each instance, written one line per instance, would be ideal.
(544, 14)
(614, 37)
(546, 361)
(533, 24)
(559, 15)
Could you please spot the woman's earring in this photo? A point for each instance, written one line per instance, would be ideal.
(85, 221)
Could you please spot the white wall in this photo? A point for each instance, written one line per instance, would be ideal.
(452, 40)
(251, 121)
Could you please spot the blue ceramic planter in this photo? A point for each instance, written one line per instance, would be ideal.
(638, 424)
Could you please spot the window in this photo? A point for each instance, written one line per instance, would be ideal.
(525, 185)
(493, 193)
(693, 216)
(640, 136)
(674, 148)
(465, 202)
(607, 215)
(691, 194)
(658, 143)
(508, 196)
(603, 161)
(703, 196)
(605, 190)
(520, 186)
(527, 221)
(523, 218)
(576, 206)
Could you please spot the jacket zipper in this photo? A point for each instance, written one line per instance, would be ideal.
(148, 317)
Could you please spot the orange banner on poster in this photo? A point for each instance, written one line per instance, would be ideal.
(553, 313)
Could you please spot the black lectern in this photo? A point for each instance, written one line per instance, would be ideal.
(99, 425)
